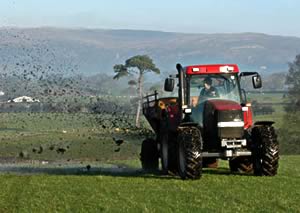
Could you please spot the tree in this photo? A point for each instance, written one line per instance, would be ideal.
(290, 131)
(293, 82)
(137, 67)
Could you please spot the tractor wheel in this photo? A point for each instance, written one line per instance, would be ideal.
(241, 164)
(172, 155)
(149, 155)
(164, 153)
(168, 154)
(189, 153)
(265, 150)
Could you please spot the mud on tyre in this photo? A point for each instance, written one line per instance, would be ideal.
(189, 153)
(265, 150)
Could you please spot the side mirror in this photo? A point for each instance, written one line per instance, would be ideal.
(257, 82)
(169, 84)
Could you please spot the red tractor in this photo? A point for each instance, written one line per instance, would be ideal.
(209, 120)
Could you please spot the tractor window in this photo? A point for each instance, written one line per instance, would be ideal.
(214, 86)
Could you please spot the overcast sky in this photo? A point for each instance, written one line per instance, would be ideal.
(280, 17)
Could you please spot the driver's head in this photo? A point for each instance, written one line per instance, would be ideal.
(207, 82)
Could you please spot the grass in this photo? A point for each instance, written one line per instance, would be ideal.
(270, 98)
(82, 135)
(217, 191)
(66, 186)
(276, 98)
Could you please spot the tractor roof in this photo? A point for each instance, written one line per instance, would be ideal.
(211, 68)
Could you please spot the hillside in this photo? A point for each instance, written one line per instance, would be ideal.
(96, 51)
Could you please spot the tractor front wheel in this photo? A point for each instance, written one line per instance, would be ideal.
(265, 150)
(149, 155)
(189, 153)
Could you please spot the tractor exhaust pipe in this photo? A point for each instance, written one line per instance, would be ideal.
(182, 96)
(179, 67)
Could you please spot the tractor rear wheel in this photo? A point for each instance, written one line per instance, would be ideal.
(241, 164)
(172, 155)
(265, 150)
(149, 155)
(164, 153)
(189, 153)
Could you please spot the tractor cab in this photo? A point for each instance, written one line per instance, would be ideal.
(210, 87)
(217, 85)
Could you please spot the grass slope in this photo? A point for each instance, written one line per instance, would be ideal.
(137, 192)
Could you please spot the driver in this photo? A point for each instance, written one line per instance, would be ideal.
(208, 91)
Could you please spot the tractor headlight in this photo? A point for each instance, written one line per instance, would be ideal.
(187, 111)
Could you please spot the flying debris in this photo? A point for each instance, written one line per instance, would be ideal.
(61, 150)
(118, 141)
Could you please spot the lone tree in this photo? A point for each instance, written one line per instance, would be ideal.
(136, 66)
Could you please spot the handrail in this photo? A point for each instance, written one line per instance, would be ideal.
(147, 97)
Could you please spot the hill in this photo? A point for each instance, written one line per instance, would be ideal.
(92, 51)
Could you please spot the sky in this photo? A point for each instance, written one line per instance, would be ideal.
(276, 17)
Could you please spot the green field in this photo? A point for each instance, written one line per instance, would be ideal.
(274, 100)
(134, 191)
(36, 177)
(267, 97)
(83, 136)
(287, 128)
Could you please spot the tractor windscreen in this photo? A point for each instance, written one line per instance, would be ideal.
(213, 86)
